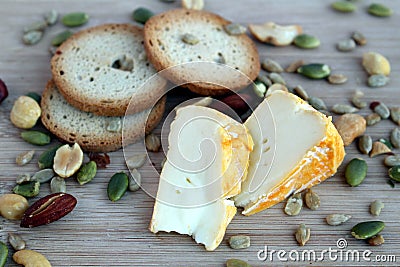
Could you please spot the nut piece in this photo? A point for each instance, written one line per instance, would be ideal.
(68, 160)
(13, 206)
(337, 219)
(25, 112)
(312, 200)
(193, 4)
(24, 157)
(275, 34)
(375, 63)
(376, 207)
(293, 205)
(239, 241)
(350, 126)
(379, 148)
(376, 240)
(16, 241)
(153, 142)
(30, 258)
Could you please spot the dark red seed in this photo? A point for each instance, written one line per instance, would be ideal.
(3, 91)
(374, 104)
(101, 160)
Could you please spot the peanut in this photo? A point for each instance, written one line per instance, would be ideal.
(30, 258)
(13, 206)
(25, 112)
(68, 160)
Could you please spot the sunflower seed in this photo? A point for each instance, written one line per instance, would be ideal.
(381, 109)
(51, 17)
(379, 148)
(234, 29)
(346, 45)
(356, 99)
(337, 79)
(32, 37)
(312, 200)
(190, 39)
(337, 219)
(136, 161)
(373, 119)
(395, 137)
(295, 65)
(317, 103)
(343, 109)
(376, 240)
(294, 204)
(43, 176)
(36, 26)
(135, 180)
(276, 78)
(24, 157)
(379, 10)
(359, 38)
(22, 178)
(153, 142)
(239, 242)
(271, 66)
(395, 115)
(58, 185)
(376, 207)
(301, 92)
(265, 80)
(16, 241)
(302, 234)
(392, 160)
(365, 144)
(377, 80)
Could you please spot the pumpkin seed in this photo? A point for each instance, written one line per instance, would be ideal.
(368, 229)
(142, 14)
(234, 29)
(306, 41)
(294, 66)
(376, 240)
(356, 99)
(4, 254)
(152, 142)
(356, 171)
(379, 10)
(75, 19)
(271, 65)
(190, 39)
(26, 177)
(381, 109)
(394, 173)
(35, 96)
(115, 125)
(343, 109)
(337, 78)
(36, 138)
(373, 119)
(302, 234)
(337, 219)
(265, 80)
(317, 103)
(36, 26)
(136, 161)
(61, 37)
(312, 200)
(46, 159)
(395, 115)
(376, 207)
(377, 80)
(86, 173)
(239, 241)
(395, 137)
(392, 160)
(294, 204)
(58, 185)
(386, 142)
(346, 45)
(365, 144)
(259, 88)
(16, 241)
(27, 189)
(24, 157)
(359, 38)
(51, 17)
(43, 176)
(135, 180)
(315, 70)
(117, 186)
(343, 6)
(379, 148)
(236, 263)
(32, 37)
(276, 78)
(301, 92)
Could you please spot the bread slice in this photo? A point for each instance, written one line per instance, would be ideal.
(165, 49)
(100, 69)
(89, 130)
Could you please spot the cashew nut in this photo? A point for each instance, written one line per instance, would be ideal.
(30, 258)
(275, 34)
(13, 206)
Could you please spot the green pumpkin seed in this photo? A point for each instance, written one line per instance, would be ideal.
(395, 115)
(306, 41)
(337, 79)
(377, 80)
(24, 157)
(365, 144)
(376, 240)
(359, 38)
(317, 103)
(46, 159)
(75, 19)
(394, 173)
(346, 45)
(36, 138)
(392, 160)
(386, 142)
(32, 37)
(271, 66)
(259, 88)
(51, 17)
(373, 119)
(368, 229)
(27, 189)
(315, 70)
(61, 37)
(142, 14)
(239, 241)
(16, 241)
(86, 173)
(3, 254)
(301, 92)
(276, 78)
(343, 109)
(43, 176)
(337, 219)
(356, 99)
(22, 178)
(312, 200)
(190, 39)
(58, 185)
(356, 171)
(379, 10)
(236, 263)
(36, 26)
(343, 6)
(293, 205)
(35, 96)
(117, 186)
(395, 137)
(302, 234)
(135, 180)
(382, 110)
(376, 207)
(234, 29)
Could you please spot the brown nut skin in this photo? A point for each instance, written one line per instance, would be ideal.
(25, 112)
(30, 258)
(13, 206)
(350, 126)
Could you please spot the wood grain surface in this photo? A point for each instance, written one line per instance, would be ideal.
(101, 233)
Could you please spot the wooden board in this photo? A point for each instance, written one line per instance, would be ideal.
(101, 233)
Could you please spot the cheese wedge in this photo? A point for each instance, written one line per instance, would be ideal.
(295, 147)
(207, 161)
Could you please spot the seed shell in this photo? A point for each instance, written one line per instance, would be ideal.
(24, 157)
(376, 207)
(376, 240)
(58, 185)
(365, 144)
(337, 219)
(51, 17)
(312, 200)
(43, 176)
(16, 241)
(315, 70)
(356, 99)
(317, 103)
(271, 65)
(117, 186)
(135, 180)
(142, 14)
(373, 119)
(346, 45)
(301, 92)
(337, 79)
(392, 160)
(379, 10)
(343, 6)
(394, 173)
(377, 80)
(395, 115)
(381, 109)
(152, 142)
(36, 26)
(239, 242)
(61, 37)
(22, 178)
(343, 109)
(75, 19)
(276, 78)
(264, 79)
(27, 189)
(359, 38)
(368, 229)
(356, 171)
(294, 66)
(32, 37)
(395, 137)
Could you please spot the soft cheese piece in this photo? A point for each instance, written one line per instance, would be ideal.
(295, 147)
(207, 160)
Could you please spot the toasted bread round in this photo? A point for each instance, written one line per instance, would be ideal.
(99, 69)
(89, 130)
(165, 48)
